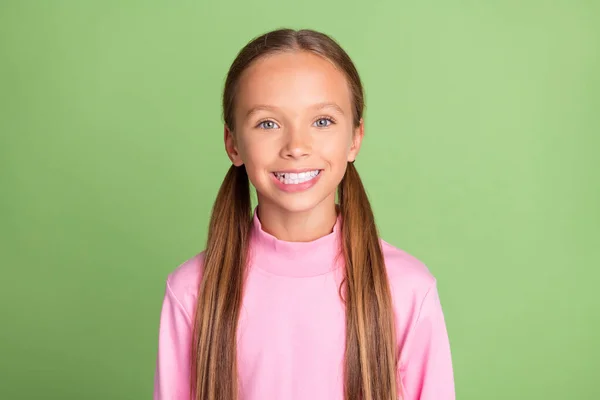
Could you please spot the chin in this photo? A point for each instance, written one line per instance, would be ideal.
(295, 203)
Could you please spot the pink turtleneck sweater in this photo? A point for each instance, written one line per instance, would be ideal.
(291, 332)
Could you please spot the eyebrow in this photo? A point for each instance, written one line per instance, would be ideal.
(318, 107)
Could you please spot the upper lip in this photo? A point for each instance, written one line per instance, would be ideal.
(296, 171)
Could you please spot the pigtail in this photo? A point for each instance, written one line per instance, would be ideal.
(370, 335)
(214, 366)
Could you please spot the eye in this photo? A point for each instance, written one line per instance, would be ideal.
(267, 124)
(324, 122)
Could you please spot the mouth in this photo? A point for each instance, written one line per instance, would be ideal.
(296, 178)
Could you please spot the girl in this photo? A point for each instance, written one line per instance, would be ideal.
(299, 299)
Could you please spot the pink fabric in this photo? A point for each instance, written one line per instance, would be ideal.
(291, 331)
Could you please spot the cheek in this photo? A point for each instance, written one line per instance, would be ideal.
(335, 148)
(257, 152)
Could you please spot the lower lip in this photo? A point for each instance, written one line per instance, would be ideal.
(292, 188)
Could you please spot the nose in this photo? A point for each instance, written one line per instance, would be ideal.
(297, 145)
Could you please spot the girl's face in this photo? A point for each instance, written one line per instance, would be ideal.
(294, 130)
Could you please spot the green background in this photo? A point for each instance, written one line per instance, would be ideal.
(480, 157)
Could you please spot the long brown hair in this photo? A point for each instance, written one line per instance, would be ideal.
(370, 356)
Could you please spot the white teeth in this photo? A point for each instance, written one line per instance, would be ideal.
(291, 178)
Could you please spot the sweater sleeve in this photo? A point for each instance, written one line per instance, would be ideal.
(425, 361)
(172, 375)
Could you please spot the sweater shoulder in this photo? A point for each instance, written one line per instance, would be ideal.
(411, 282)
(184, 281)
(405, 271)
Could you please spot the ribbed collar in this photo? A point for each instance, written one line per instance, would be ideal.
(295, 259)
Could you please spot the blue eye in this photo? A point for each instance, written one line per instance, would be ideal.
(268, 124)
(323, 122)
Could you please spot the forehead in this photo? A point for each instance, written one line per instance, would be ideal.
(293, 81)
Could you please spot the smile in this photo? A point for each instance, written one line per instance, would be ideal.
(293, 178)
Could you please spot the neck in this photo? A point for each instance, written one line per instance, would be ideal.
(301, 226)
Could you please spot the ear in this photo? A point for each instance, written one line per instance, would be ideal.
(231, 147)
(358, 134)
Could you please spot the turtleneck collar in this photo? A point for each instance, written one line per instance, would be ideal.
(295, 259)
